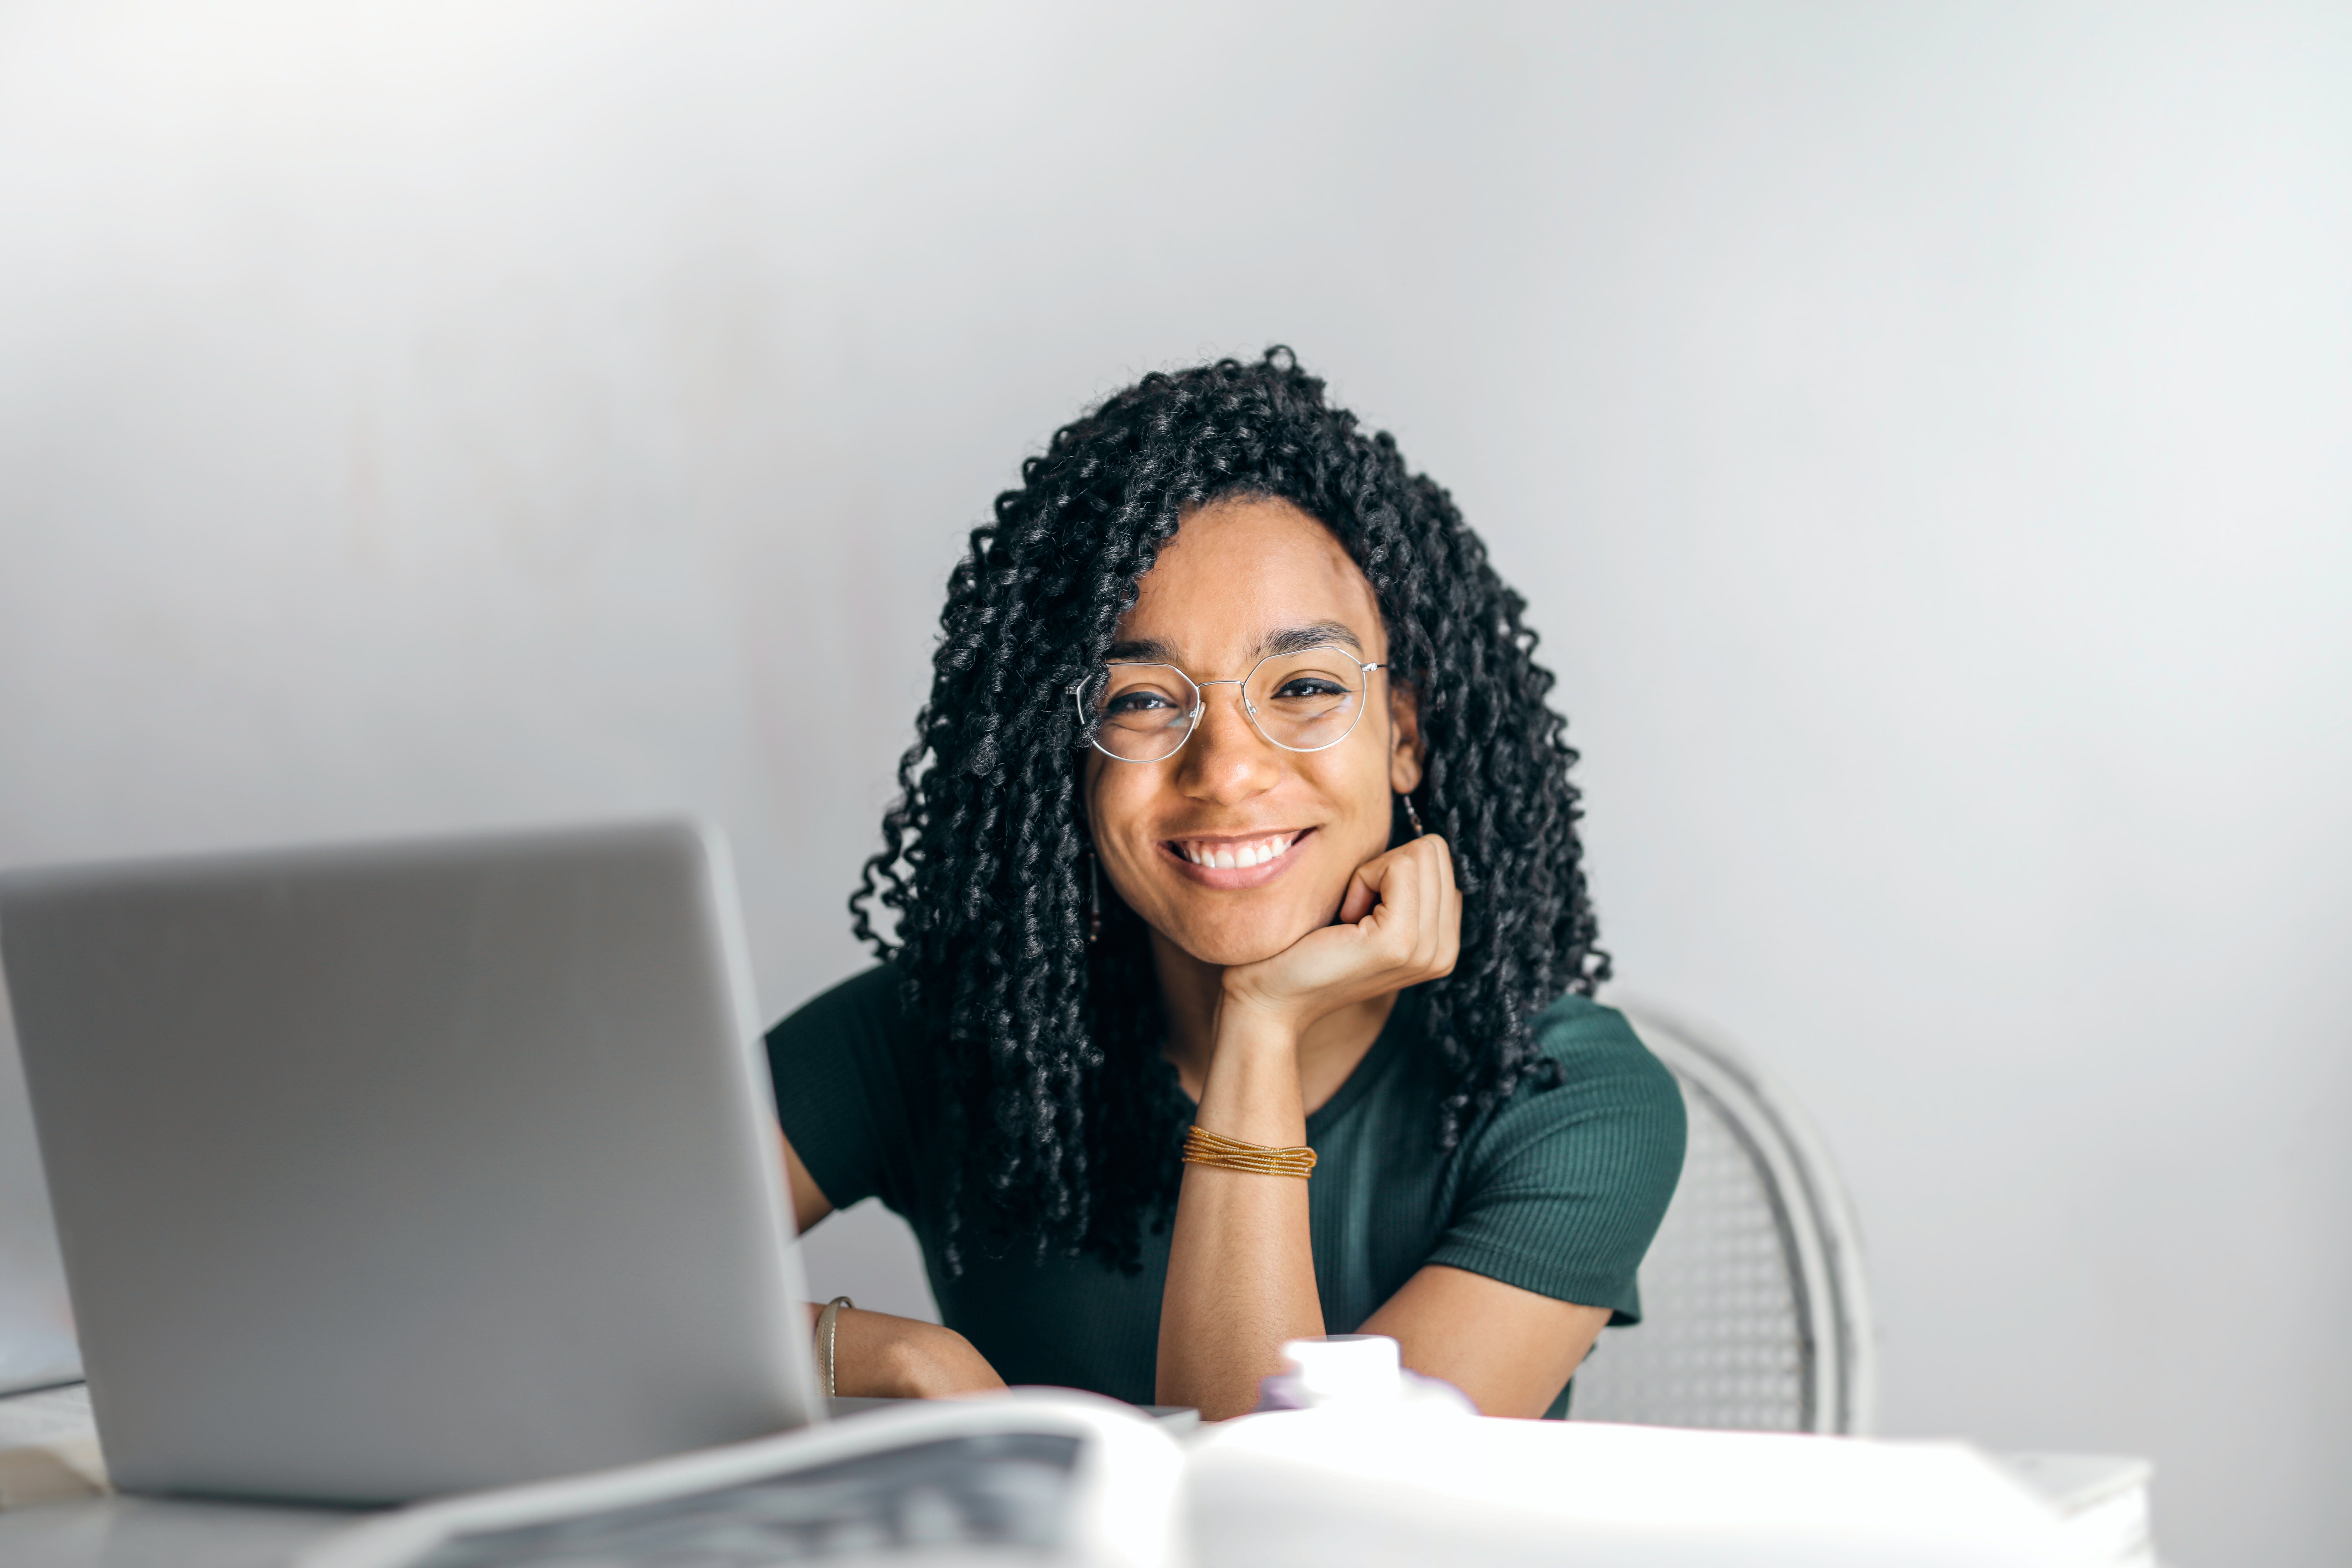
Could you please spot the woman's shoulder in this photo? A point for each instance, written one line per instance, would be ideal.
(861, 1015)
(1586, 1036)
(1610, 1090)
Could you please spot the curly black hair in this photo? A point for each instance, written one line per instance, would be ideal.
(1063, 1119)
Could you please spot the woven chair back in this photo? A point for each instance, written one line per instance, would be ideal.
(1755, 1309)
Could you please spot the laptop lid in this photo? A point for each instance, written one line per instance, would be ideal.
(390, 1170)
(36, 1342)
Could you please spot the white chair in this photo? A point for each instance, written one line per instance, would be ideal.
(1755, 1309)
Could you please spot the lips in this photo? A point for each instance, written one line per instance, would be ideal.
(1233, 861)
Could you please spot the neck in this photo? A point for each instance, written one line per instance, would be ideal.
(1193, 993)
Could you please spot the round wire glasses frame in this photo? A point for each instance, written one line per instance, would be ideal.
(1306, 700)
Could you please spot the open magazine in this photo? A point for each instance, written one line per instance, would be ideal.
(1064, 1477)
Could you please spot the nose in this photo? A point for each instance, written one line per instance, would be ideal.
(1226, 761)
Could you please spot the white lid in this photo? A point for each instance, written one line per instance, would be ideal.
(1349, 1367)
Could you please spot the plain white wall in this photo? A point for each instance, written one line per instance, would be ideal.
(1919, 431)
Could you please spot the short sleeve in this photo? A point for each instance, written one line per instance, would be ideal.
(1563, 1188)
(834, 1067)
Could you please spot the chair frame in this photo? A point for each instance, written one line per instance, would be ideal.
(1819, 1233)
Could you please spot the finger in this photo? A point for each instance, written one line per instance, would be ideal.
(1411, 888)
(1429, 867)
(1377, 869)
(1368, 886)
(1449, 945)
(1417, 925)
(1443, 853)
(1440, 925)
(1392, 923)
(1449, 907)
(1450, 899)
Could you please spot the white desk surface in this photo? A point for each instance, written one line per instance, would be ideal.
(153, 1532)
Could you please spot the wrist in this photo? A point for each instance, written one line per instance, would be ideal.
(930, 1361)
(1251, 1023)
(1251, 1090)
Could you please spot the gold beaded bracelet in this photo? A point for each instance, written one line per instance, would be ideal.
(1203, 1147)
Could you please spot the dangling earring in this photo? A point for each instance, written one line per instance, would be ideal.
(1093, 897)
(1412, 816)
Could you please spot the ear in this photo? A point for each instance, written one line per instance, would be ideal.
(1405, 738)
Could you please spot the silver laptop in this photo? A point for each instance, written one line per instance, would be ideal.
(386, 1172)
(36, 1342)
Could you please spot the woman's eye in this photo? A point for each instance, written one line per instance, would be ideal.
(1309, 686)
(1137, 703)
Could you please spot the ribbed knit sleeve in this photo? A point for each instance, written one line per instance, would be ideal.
(1563, 1188)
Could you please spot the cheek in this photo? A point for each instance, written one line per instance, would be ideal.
(1118, 813)
(1357, 788)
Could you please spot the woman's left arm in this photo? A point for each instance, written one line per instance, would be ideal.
(1241, 1267)
(1241, 1263)
(1511, 1350)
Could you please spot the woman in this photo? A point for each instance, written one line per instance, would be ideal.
(1237, 806)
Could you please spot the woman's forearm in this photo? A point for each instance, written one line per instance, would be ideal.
(876, 1355)
(1240, 1265)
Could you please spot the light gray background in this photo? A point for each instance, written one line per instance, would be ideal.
(1920, 432)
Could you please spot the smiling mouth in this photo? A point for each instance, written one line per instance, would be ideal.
(1237, 854)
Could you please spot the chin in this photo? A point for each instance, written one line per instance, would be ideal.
(1228, 946)
(1226, 955)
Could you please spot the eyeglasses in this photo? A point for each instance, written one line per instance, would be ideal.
(1304, 700)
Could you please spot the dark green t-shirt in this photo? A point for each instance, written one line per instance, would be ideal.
(1558, 1192)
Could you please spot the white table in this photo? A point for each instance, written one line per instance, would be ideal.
(150, 1533)
(2105, 1501)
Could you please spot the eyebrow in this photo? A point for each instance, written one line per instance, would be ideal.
(1289, 639)
(1293, 638)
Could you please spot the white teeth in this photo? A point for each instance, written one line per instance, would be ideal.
(1238, 856)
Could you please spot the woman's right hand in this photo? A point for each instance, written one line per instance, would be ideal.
(1399, 923)
(877, 1356)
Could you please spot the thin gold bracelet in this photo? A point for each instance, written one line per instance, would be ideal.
(826, 1325)
(1203, 1147)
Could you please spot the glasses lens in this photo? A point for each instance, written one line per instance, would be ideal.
(1306, 701)
(1139, 712)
